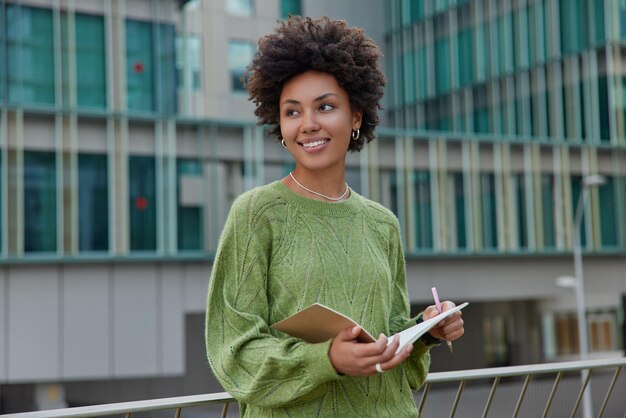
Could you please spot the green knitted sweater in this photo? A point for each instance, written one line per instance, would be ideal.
(279, 253)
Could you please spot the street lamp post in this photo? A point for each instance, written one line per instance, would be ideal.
(587, 182)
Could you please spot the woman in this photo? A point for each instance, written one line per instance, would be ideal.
(309, 238)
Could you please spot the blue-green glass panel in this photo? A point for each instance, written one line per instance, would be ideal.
(459, 206)
(598, 9)
(522, 216)
(139, 65)
(40, 203)
(3, 55)
(466, 57)
(90, 61)
(190, 227)
(388, 187)
(572, 25)
(481, 120)
(603, 101)
(482, 55)
(488, 199)
(409, 77)
(93, 202)
(165, 73)
(422, 208)
(622, 19)
(576, 184)
(30, 55)
(416, 10)
(547, 204)
(442, 65)
(608, 213)
(142, 204)
(240, 54)
(244, 8)
(290, 7)
(422, 73)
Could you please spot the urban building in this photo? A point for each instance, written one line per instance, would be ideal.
(126, 133)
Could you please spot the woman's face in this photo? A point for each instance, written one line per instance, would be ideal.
(316, 120)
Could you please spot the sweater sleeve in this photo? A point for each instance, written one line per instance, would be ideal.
(417, 365)
(253, 365)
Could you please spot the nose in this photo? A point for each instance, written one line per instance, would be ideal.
(309, 123)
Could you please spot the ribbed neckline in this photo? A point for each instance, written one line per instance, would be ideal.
(346, 207)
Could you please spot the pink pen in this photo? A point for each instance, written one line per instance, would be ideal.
(440, 310)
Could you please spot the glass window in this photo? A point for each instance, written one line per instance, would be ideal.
(409, 77)
(466, 56)
(422, 210)
(459, 210)
(603, 331)
(608, 211)
(139, 66)
(93, 203)
(290, 7)
(3, 52)
(242, 8)
(598, 10)
(150, 66)
(422, 73)
(488, 200)
(547, 204)
(572, 25)
(496, 342)
(188, 62)
(576, 184)
(481, 52)
(165, 74)
(388, 186)
(190, 198)
(40, 203)
(521, 216)
(240, 54)
(90, 61)
(30, 55)
(442, 65)
(603, 99)
(142, 205)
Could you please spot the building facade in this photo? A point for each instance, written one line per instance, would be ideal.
(527, 99)
(125, 134)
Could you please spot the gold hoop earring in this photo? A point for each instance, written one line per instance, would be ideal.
(282, 141)
(356, 134)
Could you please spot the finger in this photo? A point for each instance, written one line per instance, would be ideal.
(430, 312)
(371, 349)
(447, 305)
(453, 331)
(390, 351)
(398, 358)
(348, 334)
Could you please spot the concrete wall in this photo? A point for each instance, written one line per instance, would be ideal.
(86, 321)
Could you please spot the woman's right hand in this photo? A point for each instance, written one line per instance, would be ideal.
(354, 358)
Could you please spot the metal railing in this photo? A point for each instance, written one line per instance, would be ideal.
(500, 377)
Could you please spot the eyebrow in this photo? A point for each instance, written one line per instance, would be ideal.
(317, 99)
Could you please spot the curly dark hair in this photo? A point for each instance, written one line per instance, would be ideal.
(321, 44)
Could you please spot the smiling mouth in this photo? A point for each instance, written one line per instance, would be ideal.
(315, 143)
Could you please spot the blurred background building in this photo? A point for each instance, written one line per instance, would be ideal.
(125, 134)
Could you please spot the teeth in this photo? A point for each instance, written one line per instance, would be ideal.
(314, 144)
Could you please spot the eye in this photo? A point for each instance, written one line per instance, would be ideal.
(326, 107)
(291, 112)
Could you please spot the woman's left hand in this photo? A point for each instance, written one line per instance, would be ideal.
(449, 329)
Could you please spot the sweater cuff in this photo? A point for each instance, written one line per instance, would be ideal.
(320, 368)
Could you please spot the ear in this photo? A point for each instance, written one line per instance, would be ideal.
(357, 118)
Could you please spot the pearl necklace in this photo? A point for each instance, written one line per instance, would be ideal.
(334, 199)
